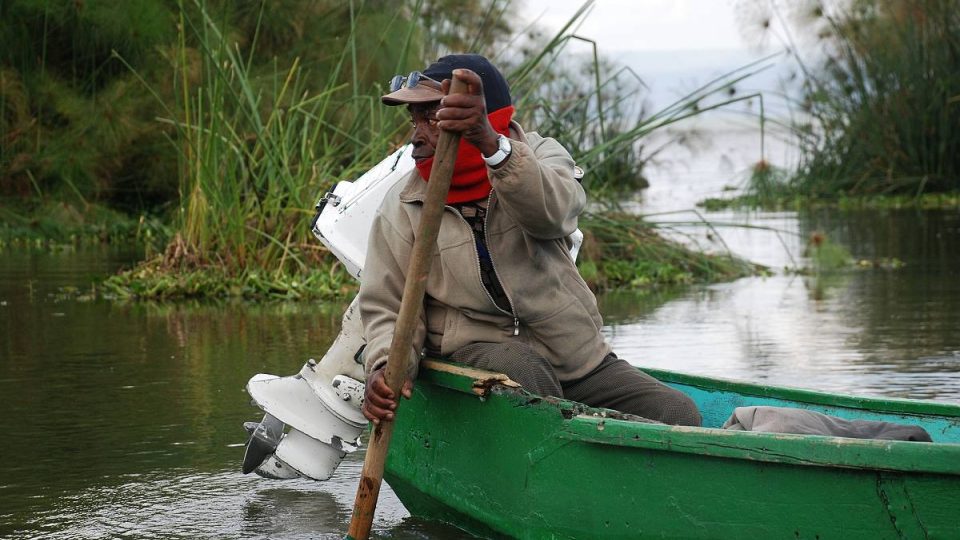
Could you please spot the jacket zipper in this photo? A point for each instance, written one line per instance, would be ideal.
(486, 239)
(516, 320)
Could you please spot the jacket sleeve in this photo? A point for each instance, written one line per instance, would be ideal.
(537, 189)
(381, 288)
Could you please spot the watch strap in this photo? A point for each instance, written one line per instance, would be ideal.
(504, 149)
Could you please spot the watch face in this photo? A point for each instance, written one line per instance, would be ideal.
(505, 144)
(503, 150)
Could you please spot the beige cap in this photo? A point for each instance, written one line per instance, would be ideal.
(420, 93)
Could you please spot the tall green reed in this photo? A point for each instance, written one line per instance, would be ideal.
(255, 150)
(881, 101)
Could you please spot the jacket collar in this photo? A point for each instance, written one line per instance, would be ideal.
(415, 189)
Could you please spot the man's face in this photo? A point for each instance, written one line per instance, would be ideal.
(425, 130)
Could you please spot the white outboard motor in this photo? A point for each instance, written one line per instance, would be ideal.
(345, 214)
(313, 419)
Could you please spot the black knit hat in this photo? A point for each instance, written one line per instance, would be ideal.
(496, 92)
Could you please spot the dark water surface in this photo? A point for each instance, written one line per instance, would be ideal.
(123, 420)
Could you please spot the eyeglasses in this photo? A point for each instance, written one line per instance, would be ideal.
(421, 116)
(411, 80)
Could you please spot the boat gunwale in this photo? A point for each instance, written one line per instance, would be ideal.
(470, 382)
(785, 448)
(606, 427)
(875, 404)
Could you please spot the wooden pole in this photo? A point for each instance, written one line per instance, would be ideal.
(412, 302)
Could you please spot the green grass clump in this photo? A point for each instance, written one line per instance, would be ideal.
(255, 145)
(624, 251)
(157, 280)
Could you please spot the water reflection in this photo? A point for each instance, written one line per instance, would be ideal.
(182, 503)
(866, 331)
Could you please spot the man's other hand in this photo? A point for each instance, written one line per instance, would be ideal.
(379, 402)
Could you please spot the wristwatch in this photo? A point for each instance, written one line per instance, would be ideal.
(503, 152)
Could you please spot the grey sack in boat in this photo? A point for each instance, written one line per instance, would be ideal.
(787, 420)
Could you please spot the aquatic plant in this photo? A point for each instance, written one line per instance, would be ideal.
(622, 251)
(254, 151)
(825, 254)
(880, 95)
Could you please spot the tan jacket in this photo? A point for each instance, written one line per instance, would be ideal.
(532, 208)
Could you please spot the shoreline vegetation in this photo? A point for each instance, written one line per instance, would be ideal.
(206, 130)
(254, 112)
(924, 201)
(617, 254)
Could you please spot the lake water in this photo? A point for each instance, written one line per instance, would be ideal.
(124, 420)
(874, 330)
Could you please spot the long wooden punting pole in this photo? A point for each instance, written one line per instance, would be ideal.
(399, 357)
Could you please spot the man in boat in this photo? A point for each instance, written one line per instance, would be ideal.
(503, 292)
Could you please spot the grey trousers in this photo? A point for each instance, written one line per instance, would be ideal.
(614, 384)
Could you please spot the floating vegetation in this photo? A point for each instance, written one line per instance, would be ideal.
(624, 251)
(925, 201)
(825, 254)
(153, 280)
(620, 251)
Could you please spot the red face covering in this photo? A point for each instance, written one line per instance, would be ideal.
(470, 182)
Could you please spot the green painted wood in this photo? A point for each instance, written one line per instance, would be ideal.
(778, 448)
(514, 465)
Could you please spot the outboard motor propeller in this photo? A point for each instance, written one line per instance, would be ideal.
(263, 441)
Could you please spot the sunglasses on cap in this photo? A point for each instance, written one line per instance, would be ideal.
(411, 80)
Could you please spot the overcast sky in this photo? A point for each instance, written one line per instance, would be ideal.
(622, 25)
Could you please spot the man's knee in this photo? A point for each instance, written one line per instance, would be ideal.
(680, 410)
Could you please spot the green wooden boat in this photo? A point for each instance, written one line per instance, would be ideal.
(473, 450)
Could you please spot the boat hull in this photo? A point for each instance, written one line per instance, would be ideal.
(496, 461)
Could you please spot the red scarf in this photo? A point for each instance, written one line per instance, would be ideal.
(470, 181)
